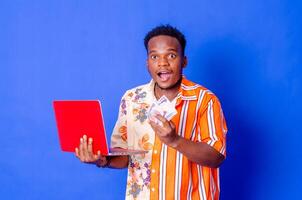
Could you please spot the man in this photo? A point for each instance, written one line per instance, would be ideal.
(183, 154)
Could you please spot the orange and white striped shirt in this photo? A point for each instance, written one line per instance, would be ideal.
(164, 173)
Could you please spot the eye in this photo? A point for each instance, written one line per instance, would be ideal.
(172, 55)
(153, 57)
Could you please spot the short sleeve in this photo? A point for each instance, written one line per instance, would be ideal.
(212, 125)
(119, 134)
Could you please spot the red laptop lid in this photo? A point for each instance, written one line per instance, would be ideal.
(77, 118)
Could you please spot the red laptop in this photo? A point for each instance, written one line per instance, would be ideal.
(77, 118)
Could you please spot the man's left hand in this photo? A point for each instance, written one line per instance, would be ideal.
(165, 131)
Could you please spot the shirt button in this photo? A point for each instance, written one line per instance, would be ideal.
(153, 170)
(153, 189)
(155, 151)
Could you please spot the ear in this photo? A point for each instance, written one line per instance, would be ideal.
(184, 61)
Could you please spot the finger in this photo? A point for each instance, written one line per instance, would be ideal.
(156, 124)
(90, 151)
(98, 155)
(77, 152)
(159, 124)
(156, 120)
(81, 153)
(162, 119)
(85, 147)
(153, 125)
(157, 128)
(172, 125)
(168, 126)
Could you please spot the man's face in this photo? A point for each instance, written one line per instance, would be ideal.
(165, 60)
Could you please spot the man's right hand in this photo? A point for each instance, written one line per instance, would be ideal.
(85, 154)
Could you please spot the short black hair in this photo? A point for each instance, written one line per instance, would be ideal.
(169, 31)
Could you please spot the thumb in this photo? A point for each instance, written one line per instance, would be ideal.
(98, 155)
(172, 125)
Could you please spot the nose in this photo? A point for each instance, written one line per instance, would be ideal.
(163, 61)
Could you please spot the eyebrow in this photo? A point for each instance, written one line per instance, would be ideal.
(171, 49)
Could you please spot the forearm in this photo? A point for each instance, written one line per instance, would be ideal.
(198, 152)
(118, 162)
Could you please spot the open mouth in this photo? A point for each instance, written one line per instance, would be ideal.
(164, 75)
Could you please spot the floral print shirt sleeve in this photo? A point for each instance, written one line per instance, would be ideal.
(133, 131)
(119, 136)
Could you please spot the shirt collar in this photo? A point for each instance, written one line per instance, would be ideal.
(186, 91)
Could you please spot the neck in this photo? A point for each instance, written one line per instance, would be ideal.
(170, 92)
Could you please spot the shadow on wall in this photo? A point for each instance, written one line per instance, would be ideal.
(232, 71)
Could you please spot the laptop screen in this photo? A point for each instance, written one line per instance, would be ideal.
(77, 118)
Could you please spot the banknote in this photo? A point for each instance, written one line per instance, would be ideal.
(162, 107)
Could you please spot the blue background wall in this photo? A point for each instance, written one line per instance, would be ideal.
(247, 52)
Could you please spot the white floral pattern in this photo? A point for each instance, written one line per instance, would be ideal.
(134, 105)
